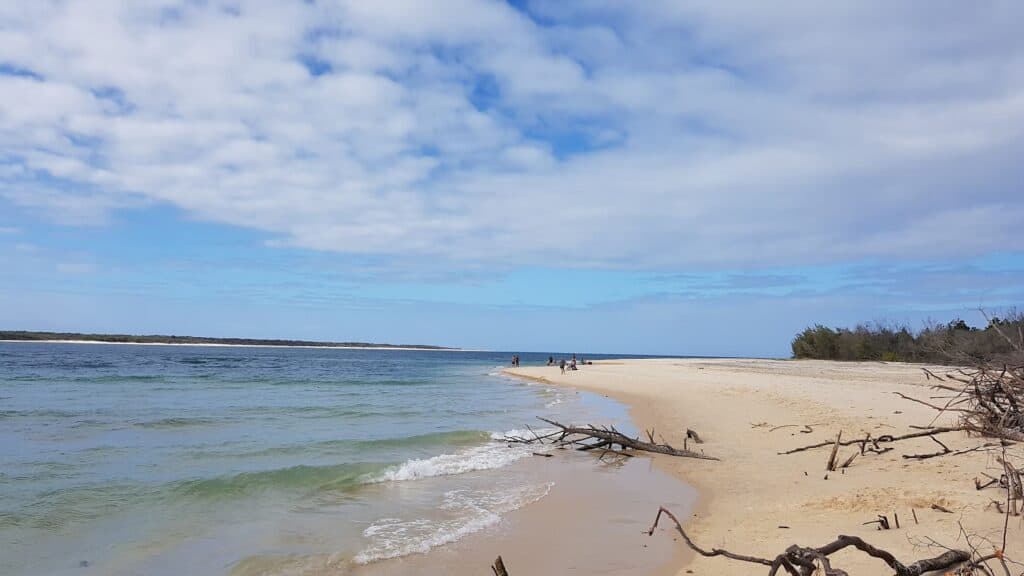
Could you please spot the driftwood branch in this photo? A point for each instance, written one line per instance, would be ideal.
(805, 561)
(831, 466)
(499, 567)
(886, 438)
(606, 438)
(945, 450)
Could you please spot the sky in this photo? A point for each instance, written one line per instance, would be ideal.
(658, 177)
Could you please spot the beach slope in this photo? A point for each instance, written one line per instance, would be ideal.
(758, 502)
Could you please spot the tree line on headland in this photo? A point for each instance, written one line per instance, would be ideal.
(952, 343)
(27, 336)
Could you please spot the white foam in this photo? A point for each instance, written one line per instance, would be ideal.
(527, 433)
(486, 457)
(468, 511)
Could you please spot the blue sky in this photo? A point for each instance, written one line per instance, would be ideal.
(657, 177)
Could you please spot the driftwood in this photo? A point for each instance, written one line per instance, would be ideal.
(605, 439)
(692, 435)
(805, 561)
(945, 450)
(990, 400)
(499, 567)
(886, 438)
(831, 466)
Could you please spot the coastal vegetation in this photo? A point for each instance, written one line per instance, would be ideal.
(955, 342)
(27, 336)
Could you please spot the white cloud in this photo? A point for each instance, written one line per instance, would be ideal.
(656, 135)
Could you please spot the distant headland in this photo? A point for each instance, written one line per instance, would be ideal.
(30, 336)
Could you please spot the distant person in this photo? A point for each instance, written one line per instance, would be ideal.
(561, 364)
(572, 364)
(551, 360)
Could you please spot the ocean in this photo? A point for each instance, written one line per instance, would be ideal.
(129, 459)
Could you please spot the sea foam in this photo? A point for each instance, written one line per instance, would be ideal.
(492, 455)
(466, 512)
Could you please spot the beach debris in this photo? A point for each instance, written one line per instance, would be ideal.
(804, 428)
(805, 561)
(884, 439)
(499, 567)
(883, 522)
(941, 508)
(605, 439)
(831, 465)
(850, 460)
(692, 435)
(1014, 486)
(989, 400)
(945, 450)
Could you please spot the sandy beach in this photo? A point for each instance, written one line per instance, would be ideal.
(758, 502)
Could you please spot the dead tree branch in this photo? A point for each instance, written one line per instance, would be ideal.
(605, 438)
(805, 561)
(886, 438)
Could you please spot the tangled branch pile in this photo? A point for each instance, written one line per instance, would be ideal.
(990, 402)
(995, 401)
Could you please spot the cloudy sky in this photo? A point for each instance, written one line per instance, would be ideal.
(676, 177)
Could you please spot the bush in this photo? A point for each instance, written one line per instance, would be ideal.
(954, 342)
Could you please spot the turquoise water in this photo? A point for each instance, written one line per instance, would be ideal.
(215, 460)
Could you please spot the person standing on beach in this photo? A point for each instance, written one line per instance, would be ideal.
(561, 364)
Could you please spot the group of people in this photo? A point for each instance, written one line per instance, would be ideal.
(571, 365)
(562, 364)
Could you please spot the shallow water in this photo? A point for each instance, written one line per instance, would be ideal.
(212, 460)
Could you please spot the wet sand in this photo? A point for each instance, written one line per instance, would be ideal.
(592, 522)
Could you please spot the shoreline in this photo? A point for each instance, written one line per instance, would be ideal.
(587, 501)
(757, 502)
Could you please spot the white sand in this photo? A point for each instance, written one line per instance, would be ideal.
(745, 498)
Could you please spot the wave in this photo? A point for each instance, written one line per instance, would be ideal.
(43, 413)
(494, 454)
(469, 511)
(445, 439)
(293, 478)
(179, 422)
